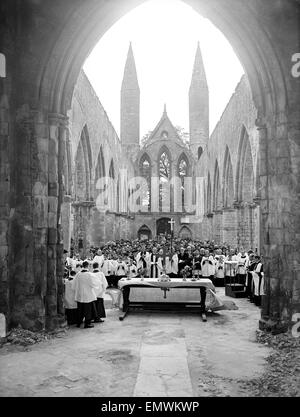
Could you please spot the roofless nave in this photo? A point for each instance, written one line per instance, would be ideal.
(39, 134)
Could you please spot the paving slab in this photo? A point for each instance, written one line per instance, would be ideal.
(148, 354)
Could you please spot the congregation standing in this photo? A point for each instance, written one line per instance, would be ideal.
(105, 266)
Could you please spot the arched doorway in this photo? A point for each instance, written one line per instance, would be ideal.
(144, 233)
(185, 233)
(163, 227)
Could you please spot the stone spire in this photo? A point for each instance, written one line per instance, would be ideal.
(130, 106)
(198, 106)
(165, 110)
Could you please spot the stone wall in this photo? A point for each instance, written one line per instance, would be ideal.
(89, 224)
(233, 147)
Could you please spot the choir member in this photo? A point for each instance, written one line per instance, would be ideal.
(197, 263)
(142, 258)
(161, 262)
(249, 282)
(100, 291)
(231, 262)
(182, 257)
(257, 279)
(207, 266)
(242, 259)
(99, 258)
(219, 268)
(154, 273)
(174, 265)
(84, 285)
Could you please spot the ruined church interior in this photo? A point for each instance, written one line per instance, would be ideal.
(79, 184)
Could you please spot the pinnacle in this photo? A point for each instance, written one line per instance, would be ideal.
(130, 80)
(198, 70)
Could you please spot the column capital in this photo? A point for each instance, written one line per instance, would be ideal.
(58, 119)
(228, 208)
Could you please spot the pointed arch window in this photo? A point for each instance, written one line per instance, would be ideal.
(217, 188)
(112, 170)
(228, 184)
(83, 164)
(208, 195)
(100, 167)
(164, 167)
(112, 187)
(99, 170)
(145, 172)
(2, 65)
(182, 172)
(200, 151)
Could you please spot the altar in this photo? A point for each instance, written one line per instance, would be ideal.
(176, 293)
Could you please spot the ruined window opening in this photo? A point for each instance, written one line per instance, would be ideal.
(2, 66)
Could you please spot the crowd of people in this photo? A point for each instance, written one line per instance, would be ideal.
(105, 266)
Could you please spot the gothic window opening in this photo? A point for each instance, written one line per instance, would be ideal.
(99, 170)
(112, 188)
(112, 170)
(145, 172)
(83, 163)
(164, 167)
(217, 188)
(182, 174)
(200, 151)
(2, 66)
(208, 195)
(245, 170)
(228, 181)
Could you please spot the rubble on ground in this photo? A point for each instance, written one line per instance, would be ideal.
(23, 337)
(282, 375)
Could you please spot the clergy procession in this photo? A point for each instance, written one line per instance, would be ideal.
(86, 280)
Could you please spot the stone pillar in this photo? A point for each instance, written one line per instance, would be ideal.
(279, 211)
(29, 221)
(4, 200)
(56, 157)
(66, 215)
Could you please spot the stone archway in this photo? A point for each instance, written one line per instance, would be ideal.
(163, 227)
(34, 105)
(185, 233)
(144, 233)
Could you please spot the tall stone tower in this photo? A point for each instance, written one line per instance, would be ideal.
(198, 107)
(130, 107)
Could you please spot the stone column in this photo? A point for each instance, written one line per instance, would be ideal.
(4, 200)
(56, 156)
(66, 214)
(29, 220)
(279, 211)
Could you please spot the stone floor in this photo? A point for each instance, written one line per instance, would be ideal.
(148, 354)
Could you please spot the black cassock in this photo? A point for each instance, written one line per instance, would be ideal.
(153, 266)
(181, 265)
